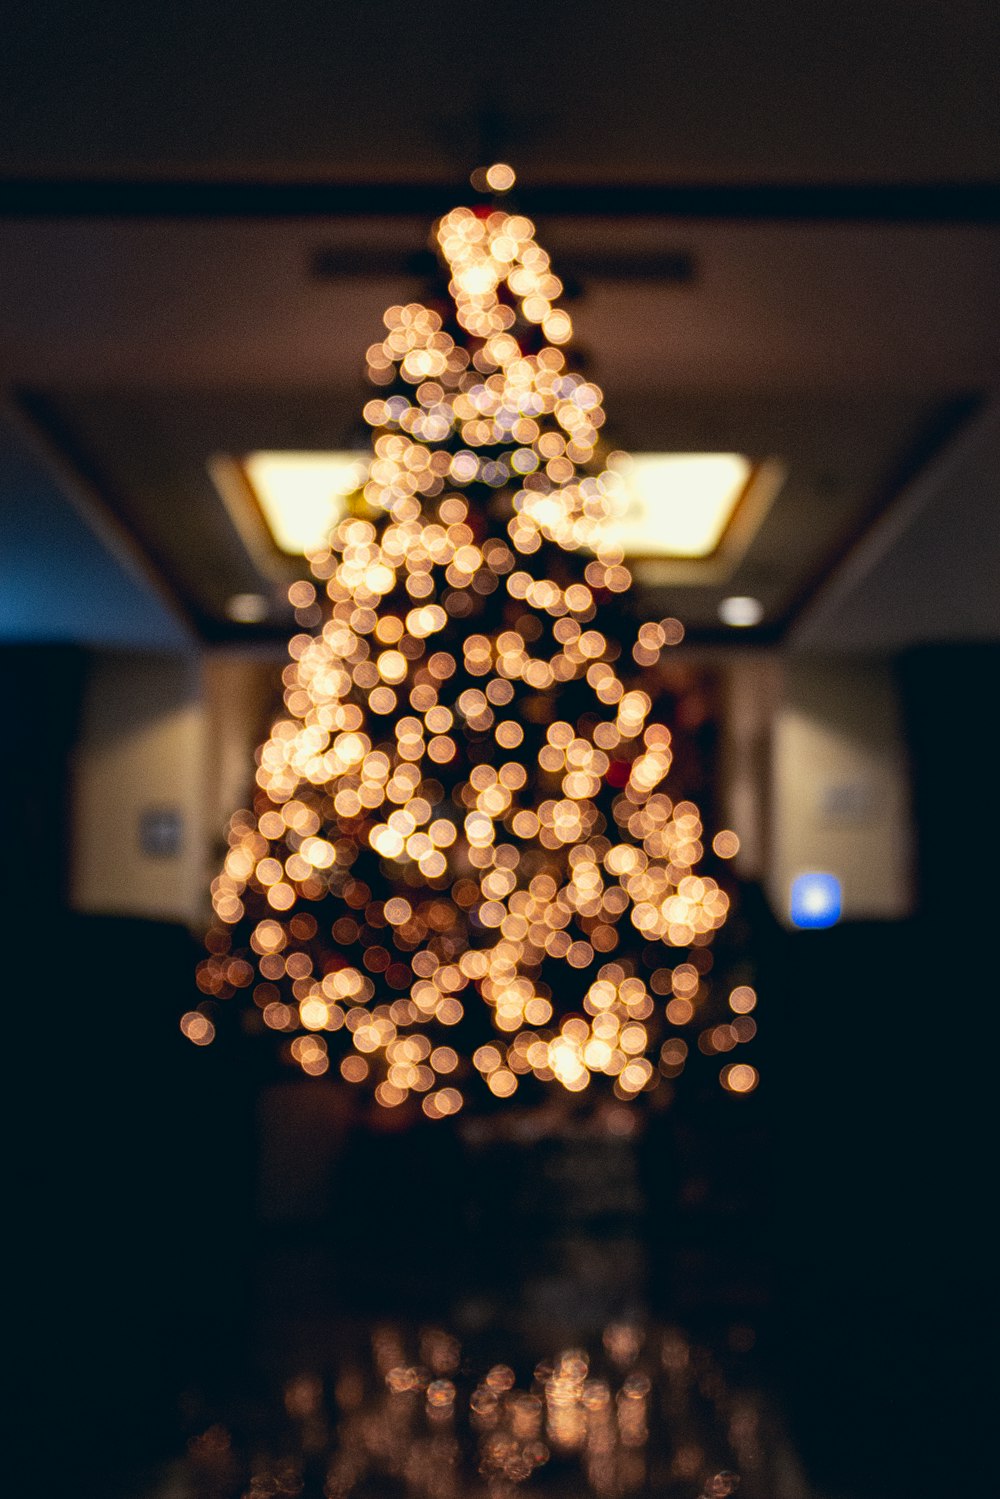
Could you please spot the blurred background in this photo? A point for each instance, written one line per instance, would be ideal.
(779, 233)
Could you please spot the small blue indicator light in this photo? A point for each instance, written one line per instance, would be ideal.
(816, 900)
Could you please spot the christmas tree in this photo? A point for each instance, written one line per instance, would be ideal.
(463, 866)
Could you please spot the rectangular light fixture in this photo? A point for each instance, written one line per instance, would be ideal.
(302, 495)
(677, 504)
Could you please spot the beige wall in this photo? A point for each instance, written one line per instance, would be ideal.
(240, 698)
(814, 778)
(142, 748)
(839, 791)
(751, 693)
(170, 733)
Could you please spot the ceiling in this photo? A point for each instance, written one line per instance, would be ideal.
(774, 248)
(692, 90)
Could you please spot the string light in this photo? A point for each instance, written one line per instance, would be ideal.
(463, 866)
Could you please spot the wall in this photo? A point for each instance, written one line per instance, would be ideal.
(814, 777)
(839, 792)
(752, 690)
(138, 788)
(165, 756)
(241, 697)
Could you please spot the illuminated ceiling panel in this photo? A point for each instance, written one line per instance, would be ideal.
(302, 494)
(677, 504)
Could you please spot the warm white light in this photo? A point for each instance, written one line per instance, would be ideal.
(247, 608)
(677, 504)
(500, 177)
(741, 612)
(302, 494)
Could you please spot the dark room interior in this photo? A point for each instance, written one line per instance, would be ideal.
(298, 1261)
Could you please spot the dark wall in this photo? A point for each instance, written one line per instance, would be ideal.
(842, 1213)
(40, 694)
(129, 1169)
(879, 1047)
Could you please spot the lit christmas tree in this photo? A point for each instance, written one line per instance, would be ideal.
(463, 862)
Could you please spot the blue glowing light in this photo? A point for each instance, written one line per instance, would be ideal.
(815, 901)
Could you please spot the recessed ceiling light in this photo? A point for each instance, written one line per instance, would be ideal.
(302, 494)
(677, 504)
(740, 611)
(248, 608)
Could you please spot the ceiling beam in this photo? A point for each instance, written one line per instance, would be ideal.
(776, 202)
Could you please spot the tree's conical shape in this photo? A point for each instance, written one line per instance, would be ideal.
(463, 860)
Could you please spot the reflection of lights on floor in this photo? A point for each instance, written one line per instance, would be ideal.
(815, 900)
(646, 1413)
